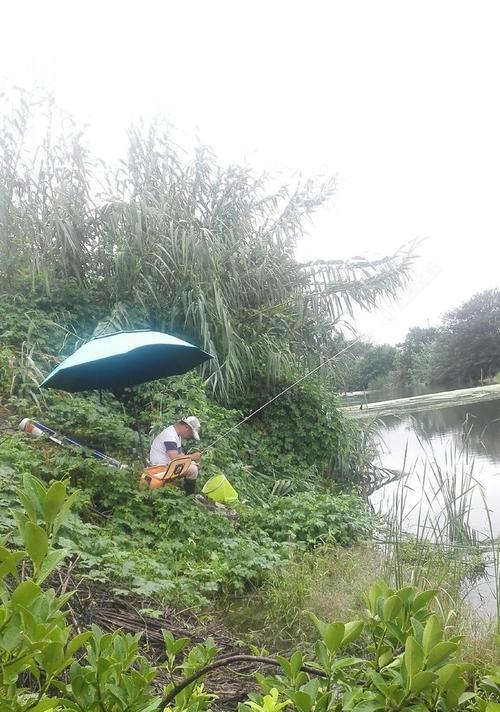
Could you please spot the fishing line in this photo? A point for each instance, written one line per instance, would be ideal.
(274, 398)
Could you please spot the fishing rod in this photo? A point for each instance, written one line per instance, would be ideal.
(274, 398)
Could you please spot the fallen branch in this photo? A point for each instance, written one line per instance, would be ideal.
(224, 662)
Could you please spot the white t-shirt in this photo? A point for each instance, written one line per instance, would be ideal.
(168, 439)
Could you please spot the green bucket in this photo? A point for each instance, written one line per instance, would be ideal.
(219, 489)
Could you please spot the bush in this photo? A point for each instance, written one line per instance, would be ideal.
(310, 518)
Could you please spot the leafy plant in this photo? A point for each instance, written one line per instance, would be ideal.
(411, 665)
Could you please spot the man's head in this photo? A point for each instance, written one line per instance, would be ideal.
(189, 428)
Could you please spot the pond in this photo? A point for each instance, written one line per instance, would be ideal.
(459, 445)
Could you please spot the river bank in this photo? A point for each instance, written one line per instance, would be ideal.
(428, 401)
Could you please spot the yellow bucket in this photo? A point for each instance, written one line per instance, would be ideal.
(219, 489)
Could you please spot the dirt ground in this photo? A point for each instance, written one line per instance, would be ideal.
(94, 605)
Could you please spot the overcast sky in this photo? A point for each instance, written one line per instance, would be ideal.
(398, 100)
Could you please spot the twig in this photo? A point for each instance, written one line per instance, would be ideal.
(64, 583)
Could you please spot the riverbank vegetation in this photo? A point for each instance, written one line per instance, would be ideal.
(177, 242)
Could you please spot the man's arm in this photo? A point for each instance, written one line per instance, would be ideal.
(172, 454)
(172, 450)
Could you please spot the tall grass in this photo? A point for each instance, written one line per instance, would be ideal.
(177, 241)
(428, 539)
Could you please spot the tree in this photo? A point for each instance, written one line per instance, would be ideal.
(371, 363)
(469, 345)
(409, 362)
(181, 243)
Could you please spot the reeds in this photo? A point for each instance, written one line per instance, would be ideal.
(428, 538)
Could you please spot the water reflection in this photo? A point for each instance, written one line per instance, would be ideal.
(423, 441)
(480, 421)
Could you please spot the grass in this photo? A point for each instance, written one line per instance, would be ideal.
(330, 582)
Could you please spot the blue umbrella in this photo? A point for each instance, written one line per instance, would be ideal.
(127, 358)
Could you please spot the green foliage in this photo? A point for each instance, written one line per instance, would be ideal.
(45, 666)
(159, 543)
(464, 350)
(311, 437)
(409, 363)
(310, 518)
(175, 241)
(6, 373)
(371, 365)
(470, 344)
(411, 665)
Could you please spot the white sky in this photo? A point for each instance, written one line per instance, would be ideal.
(398, 99)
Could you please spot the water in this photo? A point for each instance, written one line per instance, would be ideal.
(437, 436)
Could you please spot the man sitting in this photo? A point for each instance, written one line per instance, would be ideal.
(168, 445)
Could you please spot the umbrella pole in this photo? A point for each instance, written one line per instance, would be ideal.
(139, 433)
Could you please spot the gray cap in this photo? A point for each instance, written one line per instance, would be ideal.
(195, 425)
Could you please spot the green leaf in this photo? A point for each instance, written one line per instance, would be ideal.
(385, 658)
(68, 503)
(53, 501)
(418, 630)
(407, 593)
(21, 521)
(320, 625)
(36, 542)
(25, 593)
(333, 635)
(78, 642)
(447, 675)
(296, 663)
(493, 707)
(10, 561)
(347, 662)
(28, 505)
(422, 599)
(52, 657)
(422, 680)
(369, 706)
(49, 704)
(432, 634)
(414, 656)
(302, 701)
(378, 590)
(466, 696)
(440, 652)
(285, 666)
(352, 631)
(392, 607)
(50, 563)
(396, 632)
(322, 654)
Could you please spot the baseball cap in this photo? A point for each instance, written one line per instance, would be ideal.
(195, 425)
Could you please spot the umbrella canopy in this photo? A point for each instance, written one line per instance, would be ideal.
(124, 359)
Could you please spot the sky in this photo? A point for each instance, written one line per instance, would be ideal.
(396, 99)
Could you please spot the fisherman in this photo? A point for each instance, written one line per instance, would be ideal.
(168, 445)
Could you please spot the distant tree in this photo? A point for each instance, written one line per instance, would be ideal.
(370, 363)
(377, 363)
(408, 361)
(469, 345)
